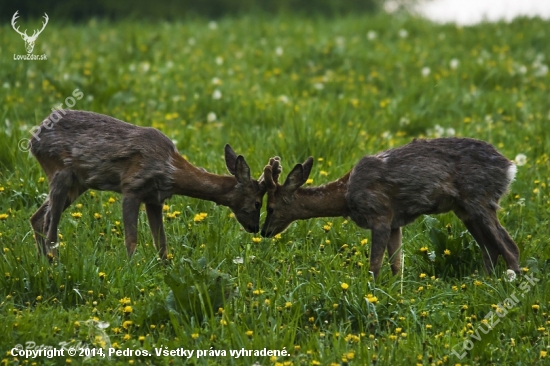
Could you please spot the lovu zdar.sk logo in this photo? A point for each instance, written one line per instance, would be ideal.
(29, 40)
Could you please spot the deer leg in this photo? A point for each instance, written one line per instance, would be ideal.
(488, 249)
(154, 215)
(59, 190)
(130, 212)
(508, 248)
(37, 223)
(380, 237)
(394, 250)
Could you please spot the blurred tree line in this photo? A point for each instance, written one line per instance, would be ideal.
(77, 10)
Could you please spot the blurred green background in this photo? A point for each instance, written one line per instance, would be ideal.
(75, 10)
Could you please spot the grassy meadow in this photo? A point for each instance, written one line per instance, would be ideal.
(333, 89)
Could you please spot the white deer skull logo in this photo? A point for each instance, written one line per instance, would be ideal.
(29, 41)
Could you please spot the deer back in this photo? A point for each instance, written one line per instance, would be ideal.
(105, 153)
(424, 177)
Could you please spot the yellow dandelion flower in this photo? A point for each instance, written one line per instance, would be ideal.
(101, 275)
(125, 301)
(256, 240)
(3, 216)
(165, 208)
(345, 286)
(372, 299)
(127, 309)
(249, 333)
(288, 304)
(76, 215)
(97, 216)
(535, 308)
(422, 275)
(195, 335)
(111, 200)
(424, 249)
(200, 216)
(323, 173)
(364, 241)
(309, 181)
(543, 354)
(41, 180)
(446, 252)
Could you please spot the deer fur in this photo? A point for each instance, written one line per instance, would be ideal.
(86, 150)
(386, 191)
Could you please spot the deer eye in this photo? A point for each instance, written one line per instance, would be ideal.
(270, 211)
(258, 205)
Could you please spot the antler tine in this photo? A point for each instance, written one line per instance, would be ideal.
(266, 179)
(43, 24)
(13, 20)
(276, 168)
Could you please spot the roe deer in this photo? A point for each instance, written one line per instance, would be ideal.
(386, 191)
(86, 150)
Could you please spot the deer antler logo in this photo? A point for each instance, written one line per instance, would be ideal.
(29, 40)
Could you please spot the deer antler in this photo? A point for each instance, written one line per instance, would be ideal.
(272, 171)
(13, 20)
(35, 34)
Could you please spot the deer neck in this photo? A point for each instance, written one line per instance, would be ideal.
(197, 183)
(328, 200)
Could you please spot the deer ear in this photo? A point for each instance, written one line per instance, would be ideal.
(242, 171)
(307, 165)
(230, 159)
(299, 175)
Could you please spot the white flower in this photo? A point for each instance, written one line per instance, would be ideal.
(540, 70)
(426, 71)
(211, 117)
(191, 41)
(217, 94)
(279, 51)
(522, 69)
(431, 256)
(438, 131)
(450, 131)
(238, 260)
(371, 35)
(284, 99)
(510, 275)
(404, 121)
(403, 33)
(216, 81)
(520, 159)
(213, 25)
(145, 66)
(219, 60)
(454, 63)
(319, 86)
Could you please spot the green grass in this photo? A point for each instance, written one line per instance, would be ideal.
(334, 94)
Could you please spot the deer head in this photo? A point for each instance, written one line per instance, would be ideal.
(29, 40)
(282, 205)
(246, 202)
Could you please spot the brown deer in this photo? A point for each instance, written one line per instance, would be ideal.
(85, 150)
(386, 191)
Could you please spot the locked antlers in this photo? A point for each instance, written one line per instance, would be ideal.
(270, 176)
